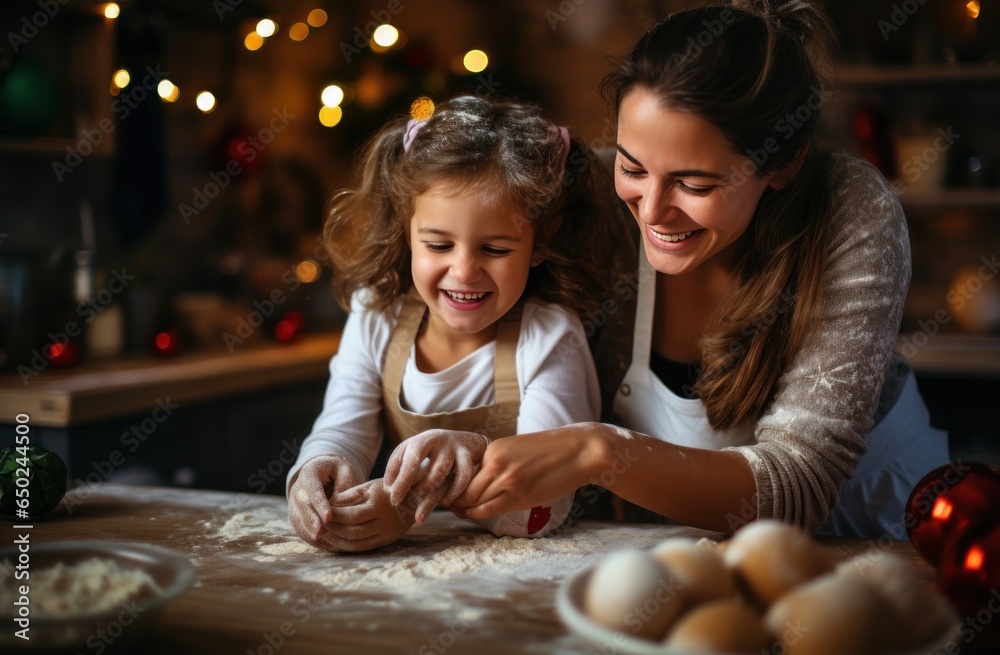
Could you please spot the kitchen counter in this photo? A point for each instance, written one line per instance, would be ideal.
(103, 390)
(446, 586)
(954, 355)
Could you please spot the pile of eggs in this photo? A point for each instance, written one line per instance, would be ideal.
(771, 588)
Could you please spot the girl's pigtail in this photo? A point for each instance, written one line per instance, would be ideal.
(364, 232)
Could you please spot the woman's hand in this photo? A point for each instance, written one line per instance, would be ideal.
(528, 470)
(309, 496)
(363, 518)
(450, 453)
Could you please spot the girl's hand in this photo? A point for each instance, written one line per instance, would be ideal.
(450, 453)
(529, 470)
(309, 496)
(363, 518)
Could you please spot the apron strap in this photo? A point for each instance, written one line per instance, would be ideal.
(505, 387)
(645, 303)
(400, 344)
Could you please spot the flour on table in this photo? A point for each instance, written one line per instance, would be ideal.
(442, 555)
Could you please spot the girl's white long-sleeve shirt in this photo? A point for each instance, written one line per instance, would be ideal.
(555, 375)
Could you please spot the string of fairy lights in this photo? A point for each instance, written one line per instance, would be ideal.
(333, 96)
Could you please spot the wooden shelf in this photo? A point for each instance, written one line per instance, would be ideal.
(51, 147)
(100, 391)
(952, 198)
(871, 75)
(952, 354)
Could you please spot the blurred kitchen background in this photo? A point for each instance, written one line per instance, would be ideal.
(165, 315)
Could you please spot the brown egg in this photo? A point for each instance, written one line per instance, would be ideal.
(723, 626)
(697, 569)
(831, 615)
(631, 592)
(771, 558)
(917, 615)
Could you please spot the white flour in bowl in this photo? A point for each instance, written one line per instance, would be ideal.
(93, 585)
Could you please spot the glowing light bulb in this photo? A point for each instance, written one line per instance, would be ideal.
(121, 78)
(422, 108)
(298, 32)
(205, 101)
(330, 116)
(112, 10)
(253, 41)
(317, 18)
(266, 27)
(307, 271)
(973, 8)
(385, 35)
(332, 96)
(168, 91)
(475, 61)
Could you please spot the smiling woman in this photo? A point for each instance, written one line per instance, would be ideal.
(772, 278)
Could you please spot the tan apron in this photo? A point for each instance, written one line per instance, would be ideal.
(495, 421)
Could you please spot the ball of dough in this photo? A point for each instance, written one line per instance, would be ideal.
(772, 558)
(724, 626)
(698, 570)
(917, 615)
(631, 592)
(831, 615)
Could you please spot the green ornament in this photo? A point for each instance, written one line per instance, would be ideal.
(29, 99)
(46, 475)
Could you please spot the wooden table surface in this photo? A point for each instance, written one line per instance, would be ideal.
(447, 586)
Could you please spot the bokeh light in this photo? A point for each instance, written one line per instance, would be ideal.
(330, 116)
(332, 96)
(307, 271)
(112, 10)
(317, 18)
(266, 27)
(253, 41)
(168, 91)
(205, 101)
(298, 32)
(422, 108)
(475, 61)
(121, 78)
(385, 35)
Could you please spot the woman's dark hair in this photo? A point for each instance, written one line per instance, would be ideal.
(756, 70)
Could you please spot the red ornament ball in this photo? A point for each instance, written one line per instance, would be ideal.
(949, 501)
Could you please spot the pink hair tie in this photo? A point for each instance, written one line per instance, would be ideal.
(564, 135)
(413, 127)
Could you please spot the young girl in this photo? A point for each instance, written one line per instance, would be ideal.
(459, 250)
